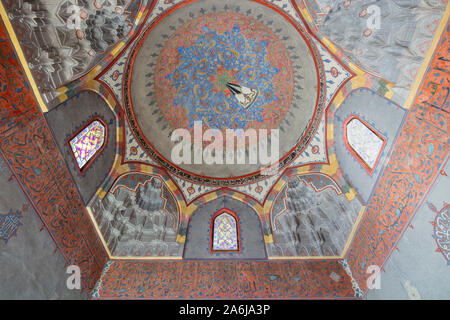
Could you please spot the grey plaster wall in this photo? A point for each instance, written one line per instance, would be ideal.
(384, 116)
(198, 234)
(29, 266)
(67, 119)
(417, 270)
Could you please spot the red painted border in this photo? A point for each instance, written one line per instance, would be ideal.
(83, 169)
(211, 233)
(355, 154)
(218, 285)
(411, 219)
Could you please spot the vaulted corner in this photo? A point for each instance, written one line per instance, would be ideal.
(211, 147)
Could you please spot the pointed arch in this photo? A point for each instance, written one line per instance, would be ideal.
(364, 142)
(225, 234)
(88, 143)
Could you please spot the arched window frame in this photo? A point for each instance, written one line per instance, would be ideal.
(97, 153)
(354, 153)
(238, 234)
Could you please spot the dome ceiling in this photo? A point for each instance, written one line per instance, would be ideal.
(185, 70)
(193, 61)
(96, 163)
(234, 65)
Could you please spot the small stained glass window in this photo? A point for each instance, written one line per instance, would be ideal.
(86, 143)
(225, 233)
(364, 142)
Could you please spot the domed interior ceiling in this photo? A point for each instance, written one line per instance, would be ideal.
(180, 70)
(354, 160)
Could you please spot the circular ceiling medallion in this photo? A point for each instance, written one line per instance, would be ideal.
(239, 65)
(193, 74)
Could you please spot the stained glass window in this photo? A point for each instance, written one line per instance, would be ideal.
(365, 142)
(225, 234)
(85, 144)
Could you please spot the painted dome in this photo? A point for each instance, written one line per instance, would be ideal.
(225, 69)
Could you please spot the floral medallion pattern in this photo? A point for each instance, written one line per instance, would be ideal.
(194, 74)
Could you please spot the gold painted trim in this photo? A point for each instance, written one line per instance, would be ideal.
(97, 229)
(426, 62)
(21, 57)
(307, 258)
(352, 234)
